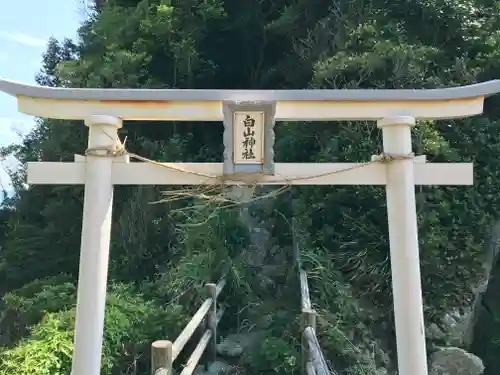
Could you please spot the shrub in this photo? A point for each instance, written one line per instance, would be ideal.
(130, 326)
(276, 356)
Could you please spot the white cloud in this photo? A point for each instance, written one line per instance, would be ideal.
(22, 38)
(12, 130)
(7, 166)
(9, 163)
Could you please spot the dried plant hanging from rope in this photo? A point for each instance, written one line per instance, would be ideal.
(215, 193)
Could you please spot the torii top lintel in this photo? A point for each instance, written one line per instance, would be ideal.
(206, 105)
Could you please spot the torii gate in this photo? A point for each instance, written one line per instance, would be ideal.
(249, 149)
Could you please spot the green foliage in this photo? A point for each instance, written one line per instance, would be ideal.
(276, 356)
(47, 351)
(131, 323)
(26, 306)
(362, 370)
(166, 253)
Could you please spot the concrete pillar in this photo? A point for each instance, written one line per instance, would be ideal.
(94, 253)
(403, 235)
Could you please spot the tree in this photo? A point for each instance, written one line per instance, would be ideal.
(273, 44)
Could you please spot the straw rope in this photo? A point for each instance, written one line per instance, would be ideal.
(205, 192)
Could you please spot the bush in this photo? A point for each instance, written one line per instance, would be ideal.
(131, 324)
(27, 306)
(47, 351)
(276, 356)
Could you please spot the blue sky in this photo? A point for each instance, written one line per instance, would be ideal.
(25, 27)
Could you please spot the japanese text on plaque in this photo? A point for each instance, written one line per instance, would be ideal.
(248, 127)
(249, 138)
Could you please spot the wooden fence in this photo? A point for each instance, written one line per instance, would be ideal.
(206, 319)
(313, 361)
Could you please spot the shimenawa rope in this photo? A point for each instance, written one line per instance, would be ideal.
(202, 192)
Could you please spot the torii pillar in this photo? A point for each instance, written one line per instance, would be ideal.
(403, 239)
(395, 111)
(96, 238)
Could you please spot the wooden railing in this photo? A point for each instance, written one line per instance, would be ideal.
(206, 319)
(313, 361)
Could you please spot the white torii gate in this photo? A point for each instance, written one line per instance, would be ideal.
(103, 111)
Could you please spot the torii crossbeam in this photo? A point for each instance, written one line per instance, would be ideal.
(249, 116)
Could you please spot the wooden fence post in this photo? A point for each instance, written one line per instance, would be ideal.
(212, 325)
(161, 357)
(308, 320)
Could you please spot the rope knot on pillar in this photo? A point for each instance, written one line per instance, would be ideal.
(387, 157)
(103, 137)
(107, 151)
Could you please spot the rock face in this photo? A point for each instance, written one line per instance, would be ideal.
(484, 327)
(456, 329)
(217, 368)
(235, 345)
(229, 349)
(455, 361)
(453, 329)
